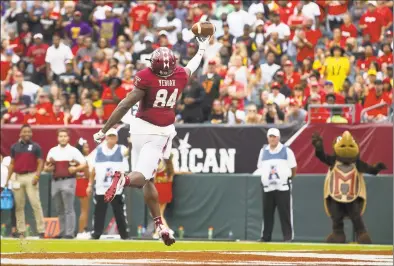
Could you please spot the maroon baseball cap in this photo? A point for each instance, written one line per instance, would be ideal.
(77, 13)
(191, 44)
(288, 63)
(275, 85)
(211, 62)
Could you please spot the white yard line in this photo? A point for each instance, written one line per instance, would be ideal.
(371, 260)
(174, 262)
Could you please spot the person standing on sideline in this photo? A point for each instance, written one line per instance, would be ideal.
(81, 190)
(277, 166)
(5, 163)
(64, 161)
(27, 164)
(108, 158)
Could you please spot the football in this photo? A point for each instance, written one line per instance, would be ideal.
(203, 29)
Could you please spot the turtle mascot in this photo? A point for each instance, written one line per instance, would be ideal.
(344, 186)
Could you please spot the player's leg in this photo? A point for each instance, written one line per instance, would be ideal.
(162, 210)
(147, 151)
(133, 179)
(148, 161)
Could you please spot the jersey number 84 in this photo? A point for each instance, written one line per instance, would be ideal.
(162, 101)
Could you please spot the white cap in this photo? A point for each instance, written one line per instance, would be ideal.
(111, 131)
(372, 3)
(148, 39)
(163, 32)
(38, 35)
(273, 132)
(258, 23)
(107, 8)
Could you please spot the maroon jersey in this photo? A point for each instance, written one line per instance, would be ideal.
(161, 94)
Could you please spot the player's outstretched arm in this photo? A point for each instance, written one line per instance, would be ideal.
(194, 63)
(123, 107)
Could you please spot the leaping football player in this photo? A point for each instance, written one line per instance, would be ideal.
(157, 90)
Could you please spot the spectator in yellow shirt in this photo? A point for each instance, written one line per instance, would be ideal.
(337, 67)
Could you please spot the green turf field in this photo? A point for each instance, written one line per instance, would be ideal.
(41, 245)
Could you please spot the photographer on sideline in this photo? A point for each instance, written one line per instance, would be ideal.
(278, 166)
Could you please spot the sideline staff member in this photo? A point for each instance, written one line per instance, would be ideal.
(27, 164)
(62, 160)
(108, 158)
(278, 165)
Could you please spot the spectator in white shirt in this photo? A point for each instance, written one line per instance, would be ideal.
(256, 7)
(276, 96)
(56, 56)
(29, 88)
(172, 25)
(277, 26)
(269, 68)
(310, 10)
(237, 20)
(123, 56)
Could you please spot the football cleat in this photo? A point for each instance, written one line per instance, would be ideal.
(118, 182)
(165, 235)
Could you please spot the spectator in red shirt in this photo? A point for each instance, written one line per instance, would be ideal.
(44, 105)
(13, 116)
(127, 82)
(317, 114)
(335, 12)
(315, 88)
(337, 39)
(296, 21)
(139, 15)
(298, 96)
(329, 89)
(32, 117)
(306, 41)
(101, 64)
(375, 96)
(387, 56)
(78, 45)
(232, 90)
(15, 42)
(57, 117)
(111, 96)
(372, 23)
(286, 9)
(348, 30)
(36, 55)
(364, 63)
(357, 112)
(89, 117)
(385, 11)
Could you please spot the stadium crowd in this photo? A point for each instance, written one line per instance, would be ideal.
(72, 62)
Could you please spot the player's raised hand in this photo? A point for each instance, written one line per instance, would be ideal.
(203, 42)
(98, 137)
